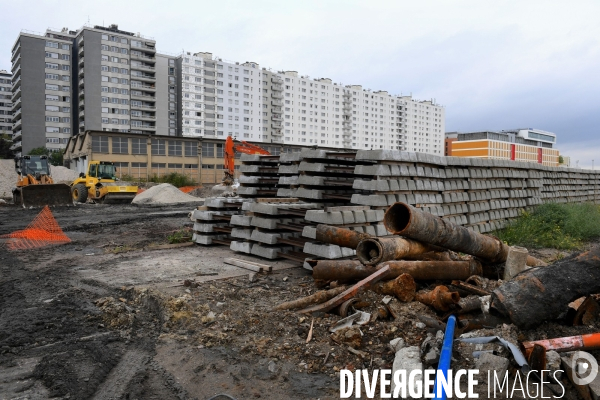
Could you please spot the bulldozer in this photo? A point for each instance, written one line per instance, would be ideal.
(35, 186)
(100, 185)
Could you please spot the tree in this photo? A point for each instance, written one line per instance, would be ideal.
(54, 157)
(5, 144)
(561, 160)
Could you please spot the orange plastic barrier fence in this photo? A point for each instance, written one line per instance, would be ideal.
(42, 231)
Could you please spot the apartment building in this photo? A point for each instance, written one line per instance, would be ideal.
(41, 90)
(529, 145)
(5, 103)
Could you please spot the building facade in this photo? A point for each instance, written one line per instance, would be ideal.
(105, 79)
(5, 103)
(530, 145)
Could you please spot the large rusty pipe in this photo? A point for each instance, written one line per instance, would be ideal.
(433, 270)
(340, 236)
(352, 270)
(373, 251)
(439, 298)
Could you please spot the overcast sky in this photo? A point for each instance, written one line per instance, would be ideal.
(493, 65)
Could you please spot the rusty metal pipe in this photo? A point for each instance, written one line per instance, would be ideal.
(403, 288)
(439, 298)
(570, 343)
(353, 270)
(405, 220)
(373, 251)
(340, 236)
(432, 270)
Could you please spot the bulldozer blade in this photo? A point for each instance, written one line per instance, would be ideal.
(58, 194)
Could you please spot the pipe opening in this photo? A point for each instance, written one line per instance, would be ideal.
(397, 217)
(369, 251)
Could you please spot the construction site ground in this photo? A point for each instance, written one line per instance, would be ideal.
(106, 317)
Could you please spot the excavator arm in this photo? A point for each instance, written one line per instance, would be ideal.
(230, 149)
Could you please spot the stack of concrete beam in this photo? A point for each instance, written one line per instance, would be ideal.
(259, 176)
(271, 228)
(327, 177)
(212, 222)
(289, 165)
(357, 218)
(483, 195)
(570, 186)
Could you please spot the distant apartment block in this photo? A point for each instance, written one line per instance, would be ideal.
(5, 103)
(527, 144)
(101, 78)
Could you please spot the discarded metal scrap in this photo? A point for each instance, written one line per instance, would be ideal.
(373, 251)
(570, 343)
(352, 270)
(403, 287)
(408, 221)
(439, 298)
(318, 297)
(541, 294)
(340, 236)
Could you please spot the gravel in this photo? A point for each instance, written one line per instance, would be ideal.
(165, 193)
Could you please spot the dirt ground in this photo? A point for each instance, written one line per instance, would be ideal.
(106, 317)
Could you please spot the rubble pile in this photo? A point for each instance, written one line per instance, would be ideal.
(165, 193)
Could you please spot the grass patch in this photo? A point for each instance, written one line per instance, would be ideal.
(559, 226)
(180, 236)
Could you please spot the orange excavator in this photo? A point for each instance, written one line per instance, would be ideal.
(231, 148)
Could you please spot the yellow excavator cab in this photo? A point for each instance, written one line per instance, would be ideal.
(101, 185)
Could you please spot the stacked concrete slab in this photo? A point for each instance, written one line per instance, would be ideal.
(271, 229)
(289, 164)
(259, 176)
(212, 221)
(570, 186)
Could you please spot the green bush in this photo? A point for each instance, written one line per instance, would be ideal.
(559, 226)
(174, 178)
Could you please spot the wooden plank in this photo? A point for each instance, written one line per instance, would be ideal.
(349, 293)
(277, 200)
(265, 267)
(243, 264)
(202, 208)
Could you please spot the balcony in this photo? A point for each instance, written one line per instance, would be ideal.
(275, 125)
(81, 94)
(139, 85)
(82, 123)
(144, 117)
(277, 140)
(145, 47)
(17, 56)
(142, 67)
(82, 114)
(347, 95)
(277, 132)
(135, 106)
(15, 105)
(81, 103)
(277, 103)
(143, 77)
(140, 95)
(17, 125)
(81, 73)
(17, 135)
(81, 60)
(276, 117)
(347, 107)
(277, 88)
(16, 71)
(16, 146)
(15, 84)
(16, 94)
(276, 80)
(17, 114)
(277, 95)
(141, 56)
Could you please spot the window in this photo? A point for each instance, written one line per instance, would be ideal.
(51, 97)
(191, 149)
(52, 44)
(208, 150)
(52, 76)
(100, 144)
(175, 147)
(120, 145)
(52, 119)
(158, 147)
(138, 146)
(175, 166)
(51, 66)
(220, 150)
(64, 46)
(52, 87)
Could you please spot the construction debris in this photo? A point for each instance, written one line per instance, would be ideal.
(439, 298)
(542, 294)
(316, 298)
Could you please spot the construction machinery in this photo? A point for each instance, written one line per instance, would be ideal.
(100, 185)
(35, 186)
(231, 147)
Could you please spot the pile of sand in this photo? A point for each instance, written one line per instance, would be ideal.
(165, 193)
(63, 174)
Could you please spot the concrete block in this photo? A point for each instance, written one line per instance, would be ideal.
(328, 251)
(270, 253)
(247, 191)
(285, 192)
(265, 237)
(309, 232)
(373, 200)
(408, 359)
(208, 227)
(321, 217)
(246, 179)
(206, 239)
(372, 170)
(289, 169)
(242, 247)
(241, 233)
